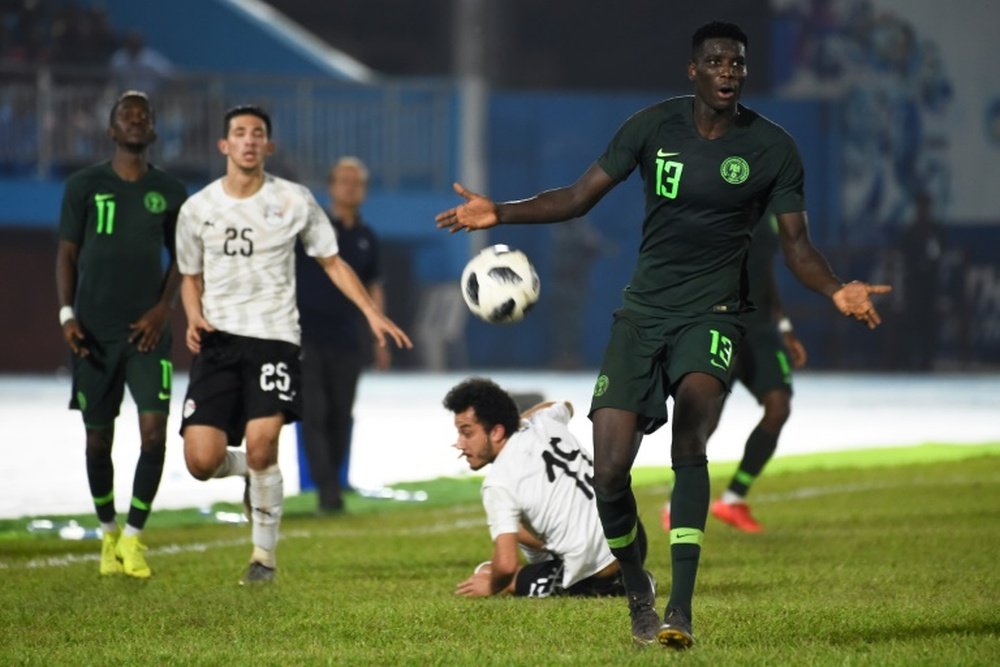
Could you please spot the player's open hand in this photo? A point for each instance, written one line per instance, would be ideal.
(192, 337)
(75, 337)
(148, 329)
(796, 350)
(854, 300)
(476, 586)
(382, 326)
(477, 212)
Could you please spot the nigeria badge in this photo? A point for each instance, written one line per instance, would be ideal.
(735, 170)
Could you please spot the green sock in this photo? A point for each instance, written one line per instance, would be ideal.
(626, 537)
(101, 477)
(148, 472)
(757, 452)
(688, 512)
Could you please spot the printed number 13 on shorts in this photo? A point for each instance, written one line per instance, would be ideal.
(721, 349)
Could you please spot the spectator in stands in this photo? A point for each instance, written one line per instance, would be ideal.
(921, 245)
(136, 65)
(336, 343)
(83, 37)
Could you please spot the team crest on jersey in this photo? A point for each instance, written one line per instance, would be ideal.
(273, 215)
(735, 170)
(601, 386)
(154, 202)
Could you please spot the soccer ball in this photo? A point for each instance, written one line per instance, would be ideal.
(500, 285)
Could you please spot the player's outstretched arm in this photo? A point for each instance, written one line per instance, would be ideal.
(565, 203)
(478, 212)
(343, 276)
(812, 270)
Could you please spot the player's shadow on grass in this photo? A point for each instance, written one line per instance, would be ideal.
(724, 588)
(909, 632)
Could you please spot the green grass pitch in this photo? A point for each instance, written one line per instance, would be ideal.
(884, 557)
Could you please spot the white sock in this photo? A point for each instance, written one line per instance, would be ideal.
(267, 494)
(234, 465)
(731, 498)
(109, 528)
(131, 530)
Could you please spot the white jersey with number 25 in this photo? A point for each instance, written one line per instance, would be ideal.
(245, 251)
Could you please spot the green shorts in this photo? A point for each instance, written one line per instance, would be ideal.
(761, 362)
(647, 356)
(99, 379)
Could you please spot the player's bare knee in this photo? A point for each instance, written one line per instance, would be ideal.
(153, 431)
(99, 442)
(156, 446)
(610, 479)
(262, 457)
(202, 459)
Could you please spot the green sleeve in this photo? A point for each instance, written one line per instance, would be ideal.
(625, 149)
(73, 217)
(788, 195)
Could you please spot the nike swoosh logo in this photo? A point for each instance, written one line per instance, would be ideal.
(681, 536)
(163, 396)
(662, 153)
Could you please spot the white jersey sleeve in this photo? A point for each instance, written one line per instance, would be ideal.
(502, 513)
(188, 241)
(316, 236)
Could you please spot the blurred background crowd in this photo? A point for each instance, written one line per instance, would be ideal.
(894, 108)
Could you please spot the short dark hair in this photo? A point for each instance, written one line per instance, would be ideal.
(246, 110)
(129, 95)
(716, 30)
(492, 404)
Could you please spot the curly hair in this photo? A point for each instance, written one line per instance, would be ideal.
(492, 404)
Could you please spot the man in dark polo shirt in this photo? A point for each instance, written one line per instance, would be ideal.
(336, 343)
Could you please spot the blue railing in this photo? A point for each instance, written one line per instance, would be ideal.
(54, 120)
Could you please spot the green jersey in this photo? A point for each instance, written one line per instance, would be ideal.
(702, 199)
(121, 228)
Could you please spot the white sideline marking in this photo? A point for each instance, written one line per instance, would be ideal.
(816, 491)
(199, 547)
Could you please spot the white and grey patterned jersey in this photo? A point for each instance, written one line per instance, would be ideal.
(245, 251)
(543, 478)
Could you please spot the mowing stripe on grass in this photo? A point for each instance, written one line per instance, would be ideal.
(66, 560)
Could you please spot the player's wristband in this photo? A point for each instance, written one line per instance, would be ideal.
(785, 325)
(66, 314)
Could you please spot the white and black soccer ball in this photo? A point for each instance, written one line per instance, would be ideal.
(500, 285)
